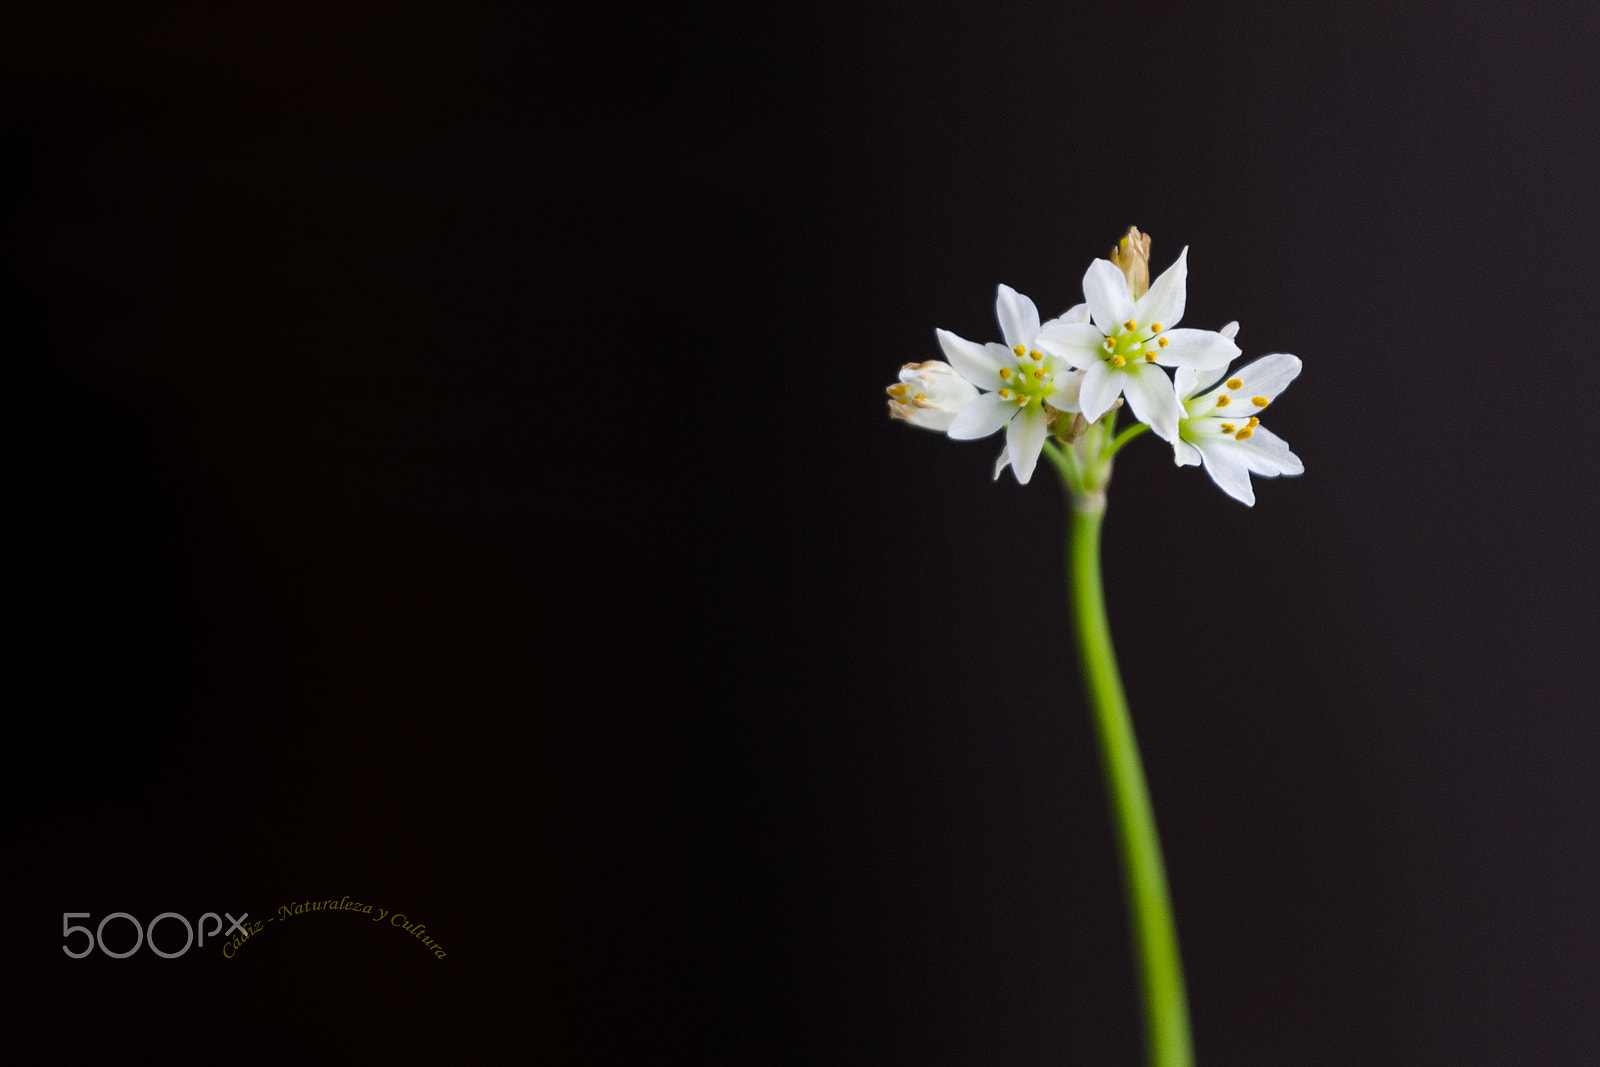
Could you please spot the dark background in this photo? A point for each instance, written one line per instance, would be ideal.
(448, 467)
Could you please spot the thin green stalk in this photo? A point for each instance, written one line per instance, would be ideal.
(1125, 436)
(1066, 464)
(1155, 935)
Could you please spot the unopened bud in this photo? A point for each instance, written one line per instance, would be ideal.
(1068, 426)
(929, 395)
(1132, 257)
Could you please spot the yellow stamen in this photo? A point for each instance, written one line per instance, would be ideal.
(1108, 344)
(1005, 394)
(1038, 372)
(1130, 324)
(1259, 401)
(1223, 400)
(1254, 421)
(1235, 383)
(1005, 372)
(1228, 427)
(1163, 342)
(1243, 434)
(1022, 401)
(1038, 356)
(920, 397)
(1020, 351)
(1117, 361)
(1149, 357)
(897, 390)
(1155, 327)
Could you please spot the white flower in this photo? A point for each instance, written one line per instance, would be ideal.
(1220, 427)
(1119, 350)
(1020, 378)
(929, 395)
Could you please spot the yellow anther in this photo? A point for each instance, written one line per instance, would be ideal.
(1038, 372)
(1235, 383)
(1117, 361)
(1005, 372)
(1243, 434)
(1022, 400)
(1108, 344)
(1019, 350)
(1228, 427)
(1036, 355)
(1223, 400)
(897, 390)
(1130, 324)
(1123, 244)
(1155, 327)
(1149, 357)
(1254, 421)
(1259, 401)
(1005, 394)
(920, 397)
(1163, 342)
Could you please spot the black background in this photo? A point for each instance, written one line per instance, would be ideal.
(448, 467)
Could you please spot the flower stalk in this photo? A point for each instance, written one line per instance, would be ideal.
(1155, 936)
(1056, 387)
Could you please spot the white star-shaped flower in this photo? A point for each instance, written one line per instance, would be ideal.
(1023, 382)
(1221, 428)
(1122, 349)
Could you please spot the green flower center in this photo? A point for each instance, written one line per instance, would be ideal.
(1133, 343)
(1032, 380)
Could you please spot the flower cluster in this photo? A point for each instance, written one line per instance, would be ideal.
(1062, 376)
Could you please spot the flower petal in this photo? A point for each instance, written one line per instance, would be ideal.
(1106, 291)
(1076, 342)
(1163, 301)
(1183, 383)
(1025, 440)
(1184, 454)
(1267, 377)
(1076, 313)
(981, 417)
(1102, 384)
(1225, 463)
(1186, 382)
(1003, 462)
(970, 360)
(1150, 395)
(1019, 318)
(1065, 395)
(1202, 349)
(1267, 454)
(1262, 380)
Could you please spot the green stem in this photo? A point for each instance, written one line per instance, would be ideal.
(1066, 465)
(1125, 436)
(1155, 935)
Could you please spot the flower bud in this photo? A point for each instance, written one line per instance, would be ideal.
(1132, 256)
(929, 395)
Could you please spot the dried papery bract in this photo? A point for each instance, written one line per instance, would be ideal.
(1132, 257)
